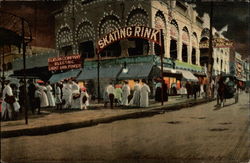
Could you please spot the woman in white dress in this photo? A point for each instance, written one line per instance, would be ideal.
(144, 93)
(125, 93)
(75, 101)
(44, 102)
(9, 104)
(58, 96)
(135, 101)
(67, 95)
(50, 95)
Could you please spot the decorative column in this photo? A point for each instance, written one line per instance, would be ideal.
(197, 54)
(75, 48)
(189, 54)
(179, 46)
(167, 43)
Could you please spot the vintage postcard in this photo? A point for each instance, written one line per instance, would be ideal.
(125, 81)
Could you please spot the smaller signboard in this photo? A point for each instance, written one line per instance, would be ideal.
(217, 43)
(64, 63)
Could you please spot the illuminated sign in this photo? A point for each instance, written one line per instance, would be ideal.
(217, 43)
(64, 63)
(150, 34)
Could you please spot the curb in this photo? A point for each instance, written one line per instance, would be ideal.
(69, 126)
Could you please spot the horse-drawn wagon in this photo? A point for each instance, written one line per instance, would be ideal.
(227, 89)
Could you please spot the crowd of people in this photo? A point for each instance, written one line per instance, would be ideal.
(122, 95)
(68, 94)
(65, 95)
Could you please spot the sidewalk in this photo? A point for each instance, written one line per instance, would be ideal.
(52, 121)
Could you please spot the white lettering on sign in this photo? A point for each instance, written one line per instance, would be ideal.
(64, 62)
(129, 32)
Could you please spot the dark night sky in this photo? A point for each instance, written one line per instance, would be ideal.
(237, 16)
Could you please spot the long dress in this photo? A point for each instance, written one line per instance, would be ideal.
(50, 96)
(6, 107)
(58, 93)
(144, 101)
(135, 101)
(118, 95)
(158, 91)
(44, 102)
(83, 105)
(67, 95)
(75, 101)
(125, 94)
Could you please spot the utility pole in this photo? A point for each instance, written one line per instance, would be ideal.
(3, 78)
(161, 53)
(210, 55)
(24, 73)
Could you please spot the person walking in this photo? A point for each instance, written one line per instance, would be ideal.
(125, 93)
(118, 95)
(21, 95)
(50, 96)
(31, 95)
(75, 101)
(58, 96)
(37, 101)
(144, 93)
(158, 88)
(135, 101)
(67, 95)
(44, 102)
(7, 103)
(111, 94)
(188, 87)
(84, 99)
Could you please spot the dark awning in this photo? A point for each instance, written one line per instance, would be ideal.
(33, 61)
(139, 71)
(34, 73)
(105, 72)
(61, 76)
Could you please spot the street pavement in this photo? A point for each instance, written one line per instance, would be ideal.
(198, 134)
(52, 121)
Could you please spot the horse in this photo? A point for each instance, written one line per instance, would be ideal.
(221, 92)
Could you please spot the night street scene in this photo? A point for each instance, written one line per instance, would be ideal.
(125, 81)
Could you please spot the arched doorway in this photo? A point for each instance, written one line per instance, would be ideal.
(174, 34)
(204, 53)
(184, 53)
(185, 39)
(160, 23)
(139, 47)
(113, 50)
(173, 49)
(193, 56)
(194, 47)
(86, 49)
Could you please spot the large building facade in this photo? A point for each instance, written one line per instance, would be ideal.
(80, 24)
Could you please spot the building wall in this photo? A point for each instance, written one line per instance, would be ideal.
(97, 18)
(40, 17)
(41, 21)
